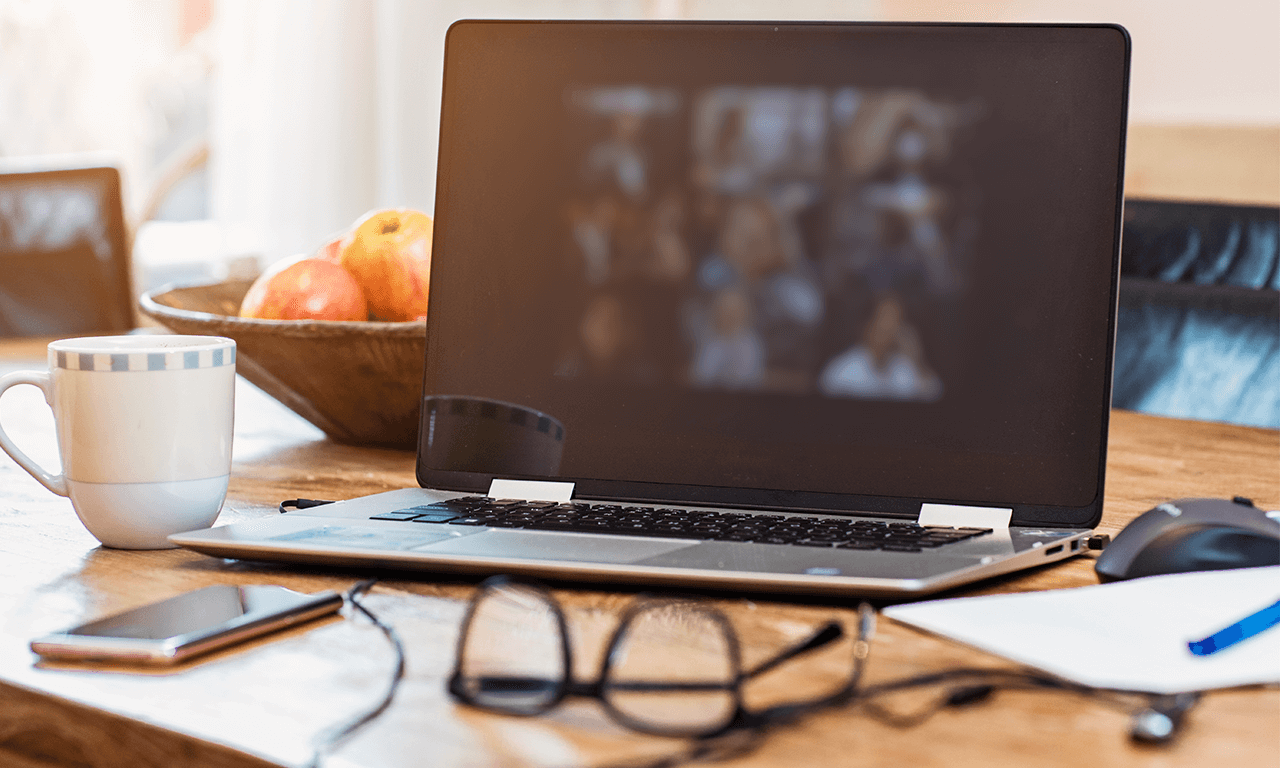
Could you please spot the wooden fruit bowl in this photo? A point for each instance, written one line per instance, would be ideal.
(360, 382)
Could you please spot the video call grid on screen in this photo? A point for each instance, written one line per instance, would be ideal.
(845, 259)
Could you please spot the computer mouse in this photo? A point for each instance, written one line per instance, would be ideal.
(1192, 535)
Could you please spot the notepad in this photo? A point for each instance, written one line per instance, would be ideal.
(1129, 635)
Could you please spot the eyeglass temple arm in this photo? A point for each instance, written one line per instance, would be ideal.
(861, 649)
(826, 634)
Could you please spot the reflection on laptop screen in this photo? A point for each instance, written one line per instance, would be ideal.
(804, 266)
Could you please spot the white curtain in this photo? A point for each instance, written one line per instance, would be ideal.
(294, 118)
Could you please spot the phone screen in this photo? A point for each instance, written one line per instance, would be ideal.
(187, 624)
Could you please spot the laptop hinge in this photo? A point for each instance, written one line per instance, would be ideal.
(965, 517)
(533, 490)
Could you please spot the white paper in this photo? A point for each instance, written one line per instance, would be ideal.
(1129, 635)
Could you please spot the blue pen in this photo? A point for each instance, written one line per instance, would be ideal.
(1243, 629)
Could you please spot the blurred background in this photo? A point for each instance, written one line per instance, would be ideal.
(247, 131)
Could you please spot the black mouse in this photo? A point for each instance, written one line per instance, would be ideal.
(1192, 535)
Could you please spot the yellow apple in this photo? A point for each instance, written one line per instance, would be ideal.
(389, 254)
(305, 288)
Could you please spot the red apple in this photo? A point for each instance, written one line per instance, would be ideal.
(305, 288)
(389, 254)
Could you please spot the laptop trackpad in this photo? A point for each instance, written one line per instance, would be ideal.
(542, 545)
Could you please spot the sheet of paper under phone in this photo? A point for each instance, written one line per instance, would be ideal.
(196, 622)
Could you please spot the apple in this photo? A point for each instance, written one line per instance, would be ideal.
(389, 254)
(305, 288)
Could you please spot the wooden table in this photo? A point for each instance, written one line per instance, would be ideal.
(261, 704)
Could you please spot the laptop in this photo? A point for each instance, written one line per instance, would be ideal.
(64, 252)
(794, 307)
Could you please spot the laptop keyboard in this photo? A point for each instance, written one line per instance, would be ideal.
(583, 517)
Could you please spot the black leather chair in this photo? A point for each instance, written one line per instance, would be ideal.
(64, 253)
(1198, 333)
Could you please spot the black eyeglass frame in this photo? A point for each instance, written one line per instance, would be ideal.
(741, 717)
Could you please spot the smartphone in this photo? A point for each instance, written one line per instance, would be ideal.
(196, 622)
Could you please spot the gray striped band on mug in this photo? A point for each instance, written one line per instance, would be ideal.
(177, 360)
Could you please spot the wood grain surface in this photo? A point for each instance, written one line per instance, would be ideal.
(262, 703)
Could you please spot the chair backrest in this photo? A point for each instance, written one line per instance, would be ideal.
(64, 253)
(1198, 332)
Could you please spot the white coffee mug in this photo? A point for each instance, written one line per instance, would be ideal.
(144, 432)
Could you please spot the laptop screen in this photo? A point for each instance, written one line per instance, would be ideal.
(818, 266)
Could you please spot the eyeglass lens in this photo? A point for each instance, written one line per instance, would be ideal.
(513, 656)
(673, 668)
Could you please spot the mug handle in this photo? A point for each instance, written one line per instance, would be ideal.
(55, 483)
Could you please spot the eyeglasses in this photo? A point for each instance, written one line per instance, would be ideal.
(670, 667)
(674, 668)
